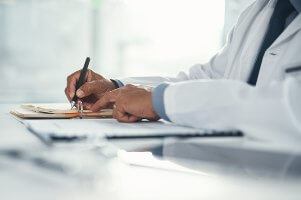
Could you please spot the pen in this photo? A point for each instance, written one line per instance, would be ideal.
(80, 81)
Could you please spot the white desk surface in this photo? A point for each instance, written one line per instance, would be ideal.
(31, 170)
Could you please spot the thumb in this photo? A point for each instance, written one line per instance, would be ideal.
(87, 89)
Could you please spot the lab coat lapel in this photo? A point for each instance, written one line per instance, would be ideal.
(253, 38)
(294, 27)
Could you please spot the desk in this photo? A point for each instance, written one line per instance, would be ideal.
(31, 170)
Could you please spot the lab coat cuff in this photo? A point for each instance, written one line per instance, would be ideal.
(158, 100)
(117, 83)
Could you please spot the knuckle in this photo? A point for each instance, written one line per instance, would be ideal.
(93, 85)
(116, 114)
(91, 71)
(87, 87)
(118, 105)
(119, 118)
(70, 78)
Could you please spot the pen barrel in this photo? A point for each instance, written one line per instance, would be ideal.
(83, 73)
(82, 76)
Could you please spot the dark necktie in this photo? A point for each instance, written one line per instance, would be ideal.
(282, 10)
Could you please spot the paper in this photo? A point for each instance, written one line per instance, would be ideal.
(110, 128)
(56, 111)
(49, 108)
(28, 114)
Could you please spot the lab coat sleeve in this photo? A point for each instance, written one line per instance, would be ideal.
(230, 104)
(214, 69)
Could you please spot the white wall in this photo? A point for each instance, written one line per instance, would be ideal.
(41, 41)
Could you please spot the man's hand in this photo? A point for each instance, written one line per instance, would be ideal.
(130, 104)
(94, 87)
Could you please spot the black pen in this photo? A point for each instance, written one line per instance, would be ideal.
(80, 81)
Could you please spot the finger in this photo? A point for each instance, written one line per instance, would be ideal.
(121, 115)
(67, 94)
(133, 118)
(125, 117)
(114, 113)
(72, 79)
(105, 101)
(71, 83)
(88, 88)
(89, 75)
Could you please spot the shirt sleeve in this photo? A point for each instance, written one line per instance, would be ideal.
(158, 100)
(270, 112)
(117, 83)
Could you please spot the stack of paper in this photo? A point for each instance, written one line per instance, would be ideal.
(56, 111)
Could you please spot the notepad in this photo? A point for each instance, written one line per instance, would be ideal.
(50, 130)
(54, 108)
(56, 111)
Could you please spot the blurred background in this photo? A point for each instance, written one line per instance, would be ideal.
(43, 41)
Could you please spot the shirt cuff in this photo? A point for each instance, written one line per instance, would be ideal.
(117, 83)
(158, 100)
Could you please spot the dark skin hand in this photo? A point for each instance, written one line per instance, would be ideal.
(130, 104)
(91, 91)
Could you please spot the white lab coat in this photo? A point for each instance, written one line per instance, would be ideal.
(270, 111)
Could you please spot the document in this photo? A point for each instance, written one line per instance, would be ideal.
(56, 111)
(110, 128)
(55, 108)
